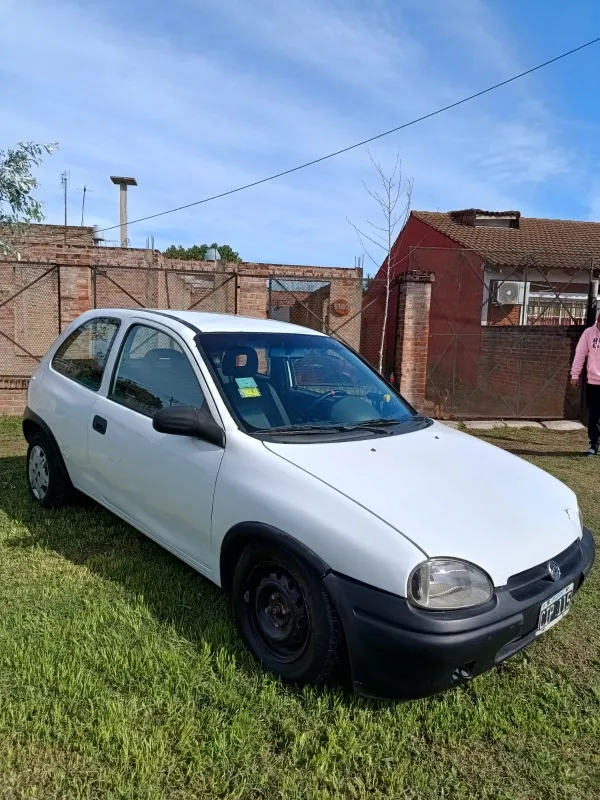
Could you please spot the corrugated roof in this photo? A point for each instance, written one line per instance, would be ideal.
(552, 243)
(287, 285)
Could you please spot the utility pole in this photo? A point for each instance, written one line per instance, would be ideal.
(123, 183)
(85, 190)
(64, 179)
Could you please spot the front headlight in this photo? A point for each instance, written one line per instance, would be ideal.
(443, 584)
(577, 517)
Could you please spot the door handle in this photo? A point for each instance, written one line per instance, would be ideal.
(99, 424)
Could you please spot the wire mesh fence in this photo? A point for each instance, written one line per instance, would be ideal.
(151, 287)
(30, 311)
(332, 306)
(503, 330)
(379, 324)
(38, 300)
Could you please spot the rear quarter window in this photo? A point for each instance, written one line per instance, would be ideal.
(83, 355)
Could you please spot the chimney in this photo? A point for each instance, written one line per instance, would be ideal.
(123, 183)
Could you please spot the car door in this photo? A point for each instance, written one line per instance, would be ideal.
(70, 386)
(163, 484)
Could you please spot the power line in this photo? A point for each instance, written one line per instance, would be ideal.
(365, 141)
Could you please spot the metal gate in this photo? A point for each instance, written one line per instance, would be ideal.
(38, 299)
(332, 306)
(30, 313)
(503, 330)
(118, 286)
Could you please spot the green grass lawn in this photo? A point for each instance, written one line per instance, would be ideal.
(121, 676)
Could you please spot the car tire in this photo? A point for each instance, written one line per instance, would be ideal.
(286, 617)
(48, 485)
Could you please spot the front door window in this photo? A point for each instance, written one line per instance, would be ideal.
(154, 372)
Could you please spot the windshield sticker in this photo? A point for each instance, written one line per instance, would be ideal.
(247, 387)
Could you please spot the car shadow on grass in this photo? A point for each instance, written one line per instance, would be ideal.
(88, 535)
(537, 447)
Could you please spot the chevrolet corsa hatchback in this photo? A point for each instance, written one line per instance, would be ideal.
(344, 525)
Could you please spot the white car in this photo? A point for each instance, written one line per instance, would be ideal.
(345, 526)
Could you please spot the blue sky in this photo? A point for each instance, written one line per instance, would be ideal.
(195, 97)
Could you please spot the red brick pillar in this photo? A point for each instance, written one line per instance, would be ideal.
(75, 288)
(253, 296)
(412, 335)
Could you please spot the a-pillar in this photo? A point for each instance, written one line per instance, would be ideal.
(412, 333)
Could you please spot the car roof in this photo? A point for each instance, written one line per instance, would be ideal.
(207, 322)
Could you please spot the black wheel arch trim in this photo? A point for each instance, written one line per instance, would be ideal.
(246, 532)
(31, 416)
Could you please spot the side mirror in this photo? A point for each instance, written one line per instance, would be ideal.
(188, 421)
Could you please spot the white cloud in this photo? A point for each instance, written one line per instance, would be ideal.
(238, 91)
(594, 204)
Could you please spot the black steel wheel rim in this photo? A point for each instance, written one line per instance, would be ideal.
(277, 611)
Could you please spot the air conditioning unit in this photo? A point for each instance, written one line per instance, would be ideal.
(509, 293)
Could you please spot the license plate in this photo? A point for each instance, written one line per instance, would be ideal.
(554, 609)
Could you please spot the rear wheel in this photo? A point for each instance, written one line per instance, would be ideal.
(47, 483)
(285, 615)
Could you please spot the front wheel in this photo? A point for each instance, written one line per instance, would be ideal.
(286, 617)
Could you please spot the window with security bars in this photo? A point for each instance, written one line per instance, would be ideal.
(542, 311)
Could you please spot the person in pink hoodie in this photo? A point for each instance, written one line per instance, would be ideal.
(588, 350)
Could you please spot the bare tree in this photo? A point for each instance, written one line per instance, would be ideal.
(393, 196)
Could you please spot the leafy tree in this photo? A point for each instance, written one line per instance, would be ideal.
(17, 204)
(367, 283)
(198, 252)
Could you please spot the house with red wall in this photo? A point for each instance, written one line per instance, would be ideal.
(489, 270)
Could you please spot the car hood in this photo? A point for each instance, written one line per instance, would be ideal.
(451, 494)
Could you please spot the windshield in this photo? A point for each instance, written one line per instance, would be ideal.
(290, 382)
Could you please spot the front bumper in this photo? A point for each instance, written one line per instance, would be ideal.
(399, 651)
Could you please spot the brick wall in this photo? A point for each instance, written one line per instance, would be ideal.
(504, 315)
(526, 369)
(103, 276)
(47, 237)
(29, 322)
(13, 396)
(347, 326)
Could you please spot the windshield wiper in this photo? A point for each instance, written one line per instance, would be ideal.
(373, 423)
(288, 430)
